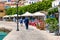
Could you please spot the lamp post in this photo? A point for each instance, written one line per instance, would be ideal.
(17, 1)
(59, 18)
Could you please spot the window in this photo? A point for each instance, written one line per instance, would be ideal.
(29, 2)
(59, 3)
(1, 10)
(9, 0)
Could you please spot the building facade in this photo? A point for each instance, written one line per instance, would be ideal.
(4, 4)
(55, 3)
(2, 10)
(12, 3)
(31, 1)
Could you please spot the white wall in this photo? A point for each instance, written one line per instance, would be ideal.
(3, 0)
(55, 3)
(31, 1)
(13, 6)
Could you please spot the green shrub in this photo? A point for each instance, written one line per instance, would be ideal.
(52, 24)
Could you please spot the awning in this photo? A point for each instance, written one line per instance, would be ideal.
(15, 15)
(38, 14)
(27, 14)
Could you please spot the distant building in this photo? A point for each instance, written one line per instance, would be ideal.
(55, 3)
(2, 10)
(3, 0)
(12, 3)
(31, 1)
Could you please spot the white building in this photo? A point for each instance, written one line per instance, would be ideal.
(31, 1)
(55, 3)
(3, 0)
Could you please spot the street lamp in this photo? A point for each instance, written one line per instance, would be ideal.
(17, 1)
(59, 18)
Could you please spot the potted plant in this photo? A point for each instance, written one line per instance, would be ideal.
(51, 29)
(52, 24)
(57, 31)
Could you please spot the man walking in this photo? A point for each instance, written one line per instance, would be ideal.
(26, 21)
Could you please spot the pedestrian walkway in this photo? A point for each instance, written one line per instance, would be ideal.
(31, 34)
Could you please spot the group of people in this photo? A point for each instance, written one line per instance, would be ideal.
(26, 22)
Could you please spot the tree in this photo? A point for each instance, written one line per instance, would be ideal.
(52, 11)
(39, 6)
(9, 11)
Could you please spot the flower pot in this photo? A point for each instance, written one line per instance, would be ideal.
(57, 33)
(38, 27)
(51, 31)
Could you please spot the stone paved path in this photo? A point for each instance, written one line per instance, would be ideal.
(23, 34)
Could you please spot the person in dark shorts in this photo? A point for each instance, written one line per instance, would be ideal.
(26, 21)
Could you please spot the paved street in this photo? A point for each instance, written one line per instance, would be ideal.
(30, 34)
